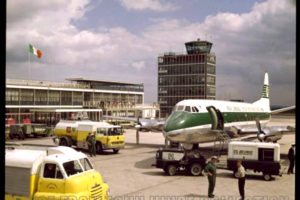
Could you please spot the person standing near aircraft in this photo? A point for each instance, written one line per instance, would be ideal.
(211, 169)
(241, 175)
(291, 157)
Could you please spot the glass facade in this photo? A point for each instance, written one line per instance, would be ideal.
(185, 76)
(15, 96)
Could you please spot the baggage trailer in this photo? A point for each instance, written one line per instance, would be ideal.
(176, 160)
(257, 156)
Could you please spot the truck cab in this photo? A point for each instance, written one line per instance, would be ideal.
(55, 173)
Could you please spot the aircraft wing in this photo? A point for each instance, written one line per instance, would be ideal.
(148, 124)
(132, 119)
(283, 109)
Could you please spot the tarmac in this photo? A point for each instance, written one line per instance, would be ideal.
(131, 176)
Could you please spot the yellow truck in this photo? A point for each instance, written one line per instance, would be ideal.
(50, 174)
(74, 133)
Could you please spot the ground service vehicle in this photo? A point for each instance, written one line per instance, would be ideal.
(257, 156)
(51, 173)
(107, 136)
(175, 160)
(16, 131)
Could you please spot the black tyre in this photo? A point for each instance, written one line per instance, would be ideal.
(171, 170)
(63, 142)
(116, 150)
(267, 176)
(196, 169)
(21, 136)
(99, 148)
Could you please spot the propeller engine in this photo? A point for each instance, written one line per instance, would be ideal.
(261, 135)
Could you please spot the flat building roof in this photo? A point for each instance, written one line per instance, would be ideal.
(101, 81)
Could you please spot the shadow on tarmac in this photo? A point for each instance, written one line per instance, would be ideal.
(145, 164)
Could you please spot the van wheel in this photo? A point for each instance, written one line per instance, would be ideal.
(267, 176)
(63, 142)
(171, 169)
(196, 169)
(116, 150)
(99, 147)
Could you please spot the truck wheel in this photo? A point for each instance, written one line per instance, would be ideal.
(21, 136)
(63, 142)
(196, 169)
(116, 150)
(99, 147)
(267, 176)
(171, 169)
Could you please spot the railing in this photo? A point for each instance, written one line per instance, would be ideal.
(120, 106)
(69, 85)
(44, 84)
(172, 53)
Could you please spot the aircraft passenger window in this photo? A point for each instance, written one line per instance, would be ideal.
(187, 109)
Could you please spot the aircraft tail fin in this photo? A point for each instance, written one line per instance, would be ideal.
(264, 101)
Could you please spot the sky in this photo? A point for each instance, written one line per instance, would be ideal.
(120, 40)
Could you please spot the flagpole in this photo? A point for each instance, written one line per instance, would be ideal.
(28, 65)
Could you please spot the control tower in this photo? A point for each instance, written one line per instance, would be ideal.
(198, 46)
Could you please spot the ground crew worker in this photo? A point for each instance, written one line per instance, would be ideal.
(291, 157)
(241, 173)
(91, 144)
(211, 176)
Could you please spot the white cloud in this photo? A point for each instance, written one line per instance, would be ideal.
(138, 65)
(155, 5)
(245, 45)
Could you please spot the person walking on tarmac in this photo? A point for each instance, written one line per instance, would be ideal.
(241, 175)
(291, 157)
(91, 144)
(210, 169)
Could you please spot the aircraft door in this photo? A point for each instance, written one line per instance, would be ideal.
(217, 120)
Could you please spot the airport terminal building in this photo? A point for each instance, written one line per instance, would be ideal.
(190, 75)
(41, 101)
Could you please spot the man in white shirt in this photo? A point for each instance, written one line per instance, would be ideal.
(241, 175)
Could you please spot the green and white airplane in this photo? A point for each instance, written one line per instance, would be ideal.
(196, 121)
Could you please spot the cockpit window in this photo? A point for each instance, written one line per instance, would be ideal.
(72, 167)
(180, 108)
(187, 109)
(195, 109)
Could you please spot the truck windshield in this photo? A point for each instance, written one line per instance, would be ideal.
(72, 167)
(115, 131)
(85, 163)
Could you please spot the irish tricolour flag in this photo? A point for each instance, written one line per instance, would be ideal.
(35, 51)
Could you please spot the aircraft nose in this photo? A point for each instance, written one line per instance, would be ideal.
(174, 122)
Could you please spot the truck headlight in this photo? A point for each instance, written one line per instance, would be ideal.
(108, 192)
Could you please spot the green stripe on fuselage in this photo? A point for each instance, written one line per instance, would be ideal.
(179, 119)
